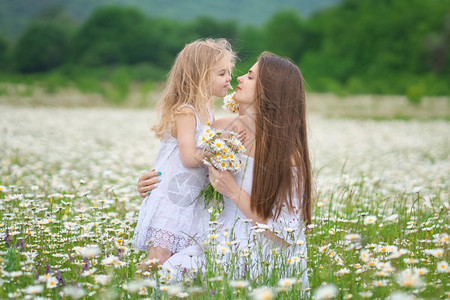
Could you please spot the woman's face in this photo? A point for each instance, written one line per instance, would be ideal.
(246, 90)
(221, 78)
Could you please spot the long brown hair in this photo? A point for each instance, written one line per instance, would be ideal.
(189, 80)
(282, 166)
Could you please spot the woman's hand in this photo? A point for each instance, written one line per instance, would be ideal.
(223, 182)
(148, 182)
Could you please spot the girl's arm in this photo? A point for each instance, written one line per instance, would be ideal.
(185, 135)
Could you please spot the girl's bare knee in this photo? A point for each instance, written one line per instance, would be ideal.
(160, 254)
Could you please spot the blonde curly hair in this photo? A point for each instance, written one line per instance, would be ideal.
(190, 79)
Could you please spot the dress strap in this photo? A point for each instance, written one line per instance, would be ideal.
(197, 119)
(211, 116)
(199, 124)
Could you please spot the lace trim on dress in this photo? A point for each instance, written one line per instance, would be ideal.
(165, 239)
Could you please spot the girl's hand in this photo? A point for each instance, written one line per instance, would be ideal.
(148, 182)
(242, 134)
(199, 157)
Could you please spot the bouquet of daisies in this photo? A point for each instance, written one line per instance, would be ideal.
(224, 148)
(229, 104)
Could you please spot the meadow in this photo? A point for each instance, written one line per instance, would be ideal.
(69, 205)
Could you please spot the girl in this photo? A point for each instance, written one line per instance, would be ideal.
(170, 218)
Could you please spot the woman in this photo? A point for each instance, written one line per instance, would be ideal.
(266, 192)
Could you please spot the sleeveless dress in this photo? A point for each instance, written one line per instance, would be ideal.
(242, 245)
(171, 217)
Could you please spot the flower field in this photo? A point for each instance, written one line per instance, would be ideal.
(69, 205)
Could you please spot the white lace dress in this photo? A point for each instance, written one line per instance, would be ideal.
(243, 248)
(171, 217)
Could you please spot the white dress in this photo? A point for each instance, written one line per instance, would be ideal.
(242, 247)
(171, 217)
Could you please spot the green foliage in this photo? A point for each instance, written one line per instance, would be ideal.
(53, 81)
(115, 35)
(42, 47)
(15, 15)
(4, 52)
(12, 260)
(113, 83)
(209, 27)
(408, 39)
(286, 34)
(107, 35)
(415, 92)
(359, 46)
(167, 38)
(45, 42)
(62, 204)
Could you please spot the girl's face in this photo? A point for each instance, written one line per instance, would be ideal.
(246, 90)
(221, 78)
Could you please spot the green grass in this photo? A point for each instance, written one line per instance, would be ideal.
(67, 187)
(51, 225)
(114, 84)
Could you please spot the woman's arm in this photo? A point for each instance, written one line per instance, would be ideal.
(225, 123)
(231, 124)
(148, 182)
(224, 183)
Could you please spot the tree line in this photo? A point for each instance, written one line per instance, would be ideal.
(358, 46)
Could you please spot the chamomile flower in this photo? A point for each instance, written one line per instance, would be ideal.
(110, 260)
(421, 271)
(73, 292)
(90, 251)
(223, 249)
(442, 239)
(342, 272)
(410, 261)
(409, 278)
(34, 289)
(229, 104)
(366, 295)
(52, 282)
(353, 237)
(398, 295)
(442, 267)
(365, 256)
(238, 284)
(380, 283)
(102, 279)
(286, 282)
(218, 144)
(263, 293)
(370, 220)
(222, 164)
(327, 291)
(438, 252)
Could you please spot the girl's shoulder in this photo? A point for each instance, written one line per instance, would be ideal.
(186, 109)
(201, 117)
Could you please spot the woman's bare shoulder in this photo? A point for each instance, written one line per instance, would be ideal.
(225, 123)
